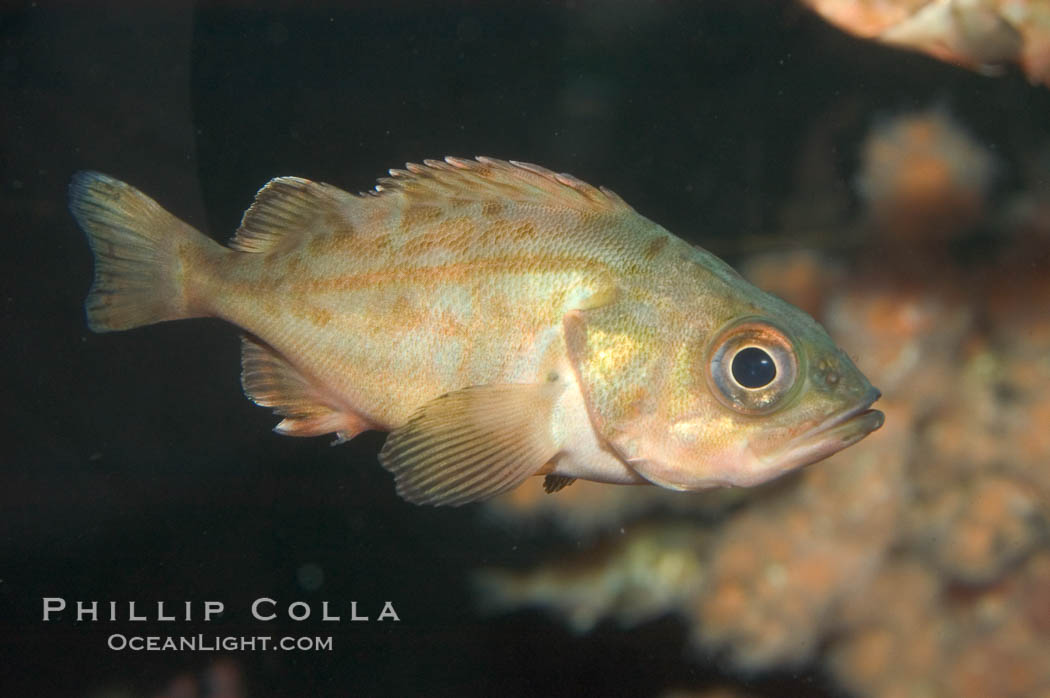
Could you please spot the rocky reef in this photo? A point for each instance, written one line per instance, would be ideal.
(983, 35)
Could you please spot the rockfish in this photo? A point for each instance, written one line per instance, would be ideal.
(499, 319)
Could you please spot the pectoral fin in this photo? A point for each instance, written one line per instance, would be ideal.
(473, 443)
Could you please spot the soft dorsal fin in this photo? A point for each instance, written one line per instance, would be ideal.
(289, 207)
(270, 381)
(486, 179)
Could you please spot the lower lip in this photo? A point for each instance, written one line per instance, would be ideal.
(846, 430)
(856, 427)
(834, 435)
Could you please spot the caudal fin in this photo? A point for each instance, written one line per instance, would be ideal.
(138, 274)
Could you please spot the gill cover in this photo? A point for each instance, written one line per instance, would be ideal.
(683, 411)
(621, 363)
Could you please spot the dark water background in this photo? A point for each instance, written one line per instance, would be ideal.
(132, 466)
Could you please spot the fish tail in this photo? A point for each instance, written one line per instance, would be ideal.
(138, 249)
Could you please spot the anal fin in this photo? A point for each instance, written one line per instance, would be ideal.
(270, 381)
(473, 443)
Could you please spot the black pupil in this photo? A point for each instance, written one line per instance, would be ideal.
(753, 368)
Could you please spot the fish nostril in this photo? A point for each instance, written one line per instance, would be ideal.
(831, 378)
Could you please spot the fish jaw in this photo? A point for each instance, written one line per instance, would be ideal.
(816, 443)
(740, 462)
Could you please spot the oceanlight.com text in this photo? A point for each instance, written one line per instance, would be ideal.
(212, 643)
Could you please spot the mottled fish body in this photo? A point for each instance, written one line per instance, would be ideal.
(501, 320)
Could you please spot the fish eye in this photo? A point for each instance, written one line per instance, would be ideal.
(753, 367)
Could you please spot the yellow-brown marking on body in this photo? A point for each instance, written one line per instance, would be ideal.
(492, 209)
(402, 307)
(448, 325)
(415, 215)
(450, 234)
(458, 234)
(256, 287)
(345, 238)
(319, 317)
(654, 247)
(380, 242)
(190, 255)
(523, 232)
(320, 243)
(294, 264)
(455, 272)
(634, 400)
(365, 245)
(336, 222)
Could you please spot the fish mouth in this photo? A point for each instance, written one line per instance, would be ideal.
(830, 436)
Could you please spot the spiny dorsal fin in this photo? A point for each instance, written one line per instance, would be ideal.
(288, 207)
(270, 381)
(487, 178)
(473, 443)
(555, 483)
